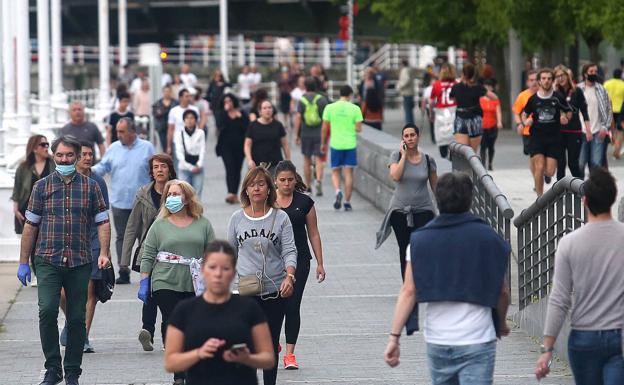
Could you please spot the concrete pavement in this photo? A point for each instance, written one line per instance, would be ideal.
(345, 320)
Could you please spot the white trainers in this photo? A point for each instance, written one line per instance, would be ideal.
(33, 281)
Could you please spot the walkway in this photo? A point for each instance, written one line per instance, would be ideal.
(345, 319)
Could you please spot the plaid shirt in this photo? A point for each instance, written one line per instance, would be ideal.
(64, 213)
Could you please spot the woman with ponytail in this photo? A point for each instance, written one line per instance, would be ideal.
(300, 210)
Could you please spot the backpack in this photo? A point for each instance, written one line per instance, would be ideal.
(311, 116)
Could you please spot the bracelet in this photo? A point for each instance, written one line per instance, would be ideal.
(397, 335)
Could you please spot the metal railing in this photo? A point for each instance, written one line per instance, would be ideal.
(488, 202)
(88, 97)
(540, 227)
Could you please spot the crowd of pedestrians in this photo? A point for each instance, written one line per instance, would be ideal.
(245, 288)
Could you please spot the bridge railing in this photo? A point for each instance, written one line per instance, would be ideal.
(540, 227)
(488, 202)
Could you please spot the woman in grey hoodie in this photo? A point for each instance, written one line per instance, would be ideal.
(264, 240)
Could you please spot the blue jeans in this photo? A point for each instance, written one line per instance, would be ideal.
(196, 180)
(592, 153)
(408, 108)
(596, 357)
(463, 364)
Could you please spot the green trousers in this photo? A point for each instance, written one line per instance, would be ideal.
(75, 281)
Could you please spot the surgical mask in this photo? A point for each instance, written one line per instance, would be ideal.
(174, 203)
(592, 78)
(66, 169)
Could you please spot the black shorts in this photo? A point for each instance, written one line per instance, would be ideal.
(549, 147)
(525, 144)
(616, 120)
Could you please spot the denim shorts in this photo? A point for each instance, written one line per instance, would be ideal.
(472, 127)
(343, 158)
(462, 364)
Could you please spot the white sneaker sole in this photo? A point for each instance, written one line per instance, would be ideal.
(146, 340)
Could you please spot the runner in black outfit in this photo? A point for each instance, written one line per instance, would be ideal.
(545, 136)
(302, 214)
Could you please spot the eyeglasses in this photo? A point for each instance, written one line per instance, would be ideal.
(44, 144)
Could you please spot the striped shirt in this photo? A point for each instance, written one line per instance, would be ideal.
(65, 213)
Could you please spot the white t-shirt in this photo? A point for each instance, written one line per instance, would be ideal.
(189, 80)
(175, 116)
(457, 323)
(256, 77)
(135, 85)
(592, 108)
(296, 94)
(244, 85)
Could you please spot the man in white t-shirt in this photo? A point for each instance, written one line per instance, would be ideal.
(175, 121)
(187, 77)
(457, 268)
(256, 77)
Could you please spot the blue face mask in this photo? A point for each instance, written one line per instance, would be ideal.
(174, 203)
(66, 169)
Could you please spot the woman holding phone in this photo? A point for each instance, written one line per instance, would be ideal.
(218, 338)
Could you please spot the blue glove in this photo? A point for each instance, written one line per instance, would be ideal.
(144, 289)
(23, 273)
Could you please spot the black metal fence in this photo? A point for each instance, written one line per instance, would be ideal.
(554, 214)
(489, 203)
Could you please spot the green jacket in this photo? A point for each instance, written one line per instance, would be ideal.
(141, 218)
(23, 182)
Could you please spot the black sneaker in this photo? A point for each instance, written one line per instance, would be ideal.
(547, 179)
(338, 201)
(347, 206)
(71, 380)
(124, 277)
(52, 377)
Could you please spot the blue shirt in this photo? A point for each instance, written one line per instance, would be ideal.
(95, 240)
(129, 168)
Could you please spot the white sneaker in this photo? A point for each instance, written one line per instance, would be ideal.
(33, 281)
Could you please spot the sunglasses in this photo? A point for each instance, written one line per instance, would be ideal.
(44, 144)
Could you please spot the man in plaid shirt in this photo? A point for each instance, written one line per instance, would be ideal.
(62, 208)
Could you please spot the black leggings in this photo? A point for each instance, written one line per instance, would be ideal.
(166, 300)
(274, 311)
(487, 145)
(148, 318)
(398, 221)
(571, 143)
(233, 161)
(292, 324)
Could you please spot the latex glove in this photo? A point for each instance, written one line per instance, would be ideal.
(144, 288)
(23, 273)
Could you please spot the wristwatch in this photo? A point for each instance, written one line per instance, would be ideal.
(292, 276)
(544, 349)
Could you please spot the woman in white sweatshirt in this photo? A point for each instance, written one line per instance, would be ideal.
(190, 146)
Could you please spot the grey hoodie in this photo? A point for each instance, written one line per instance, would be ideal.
(246, 233)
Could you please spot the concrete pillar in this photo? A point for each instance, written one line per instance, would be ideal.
(613, 61)
(450, 52)
(103, 58)
(43, 44)
(350, 52)
(8, 67)
(516, 64)
(22, 63)
(241, 50)
(57, 65)
(326, 47)
(2, 127)
(122, 17)
(223, 35)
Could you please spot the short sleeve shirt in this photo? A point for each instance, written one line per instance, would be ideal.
(311, 131)
(176, 116)
(412, 190)
(231, 321)
(440, 93)
(342, 116)
(467, 99)
(297, 212)
(113, 119)
(489, 112)
(519, 104)
(87, 132)
(266, 141)
(65, 213)
(546, 113)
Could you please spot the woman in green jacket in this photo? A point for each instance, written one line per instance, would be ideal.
(144, 213)
(176, 240)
